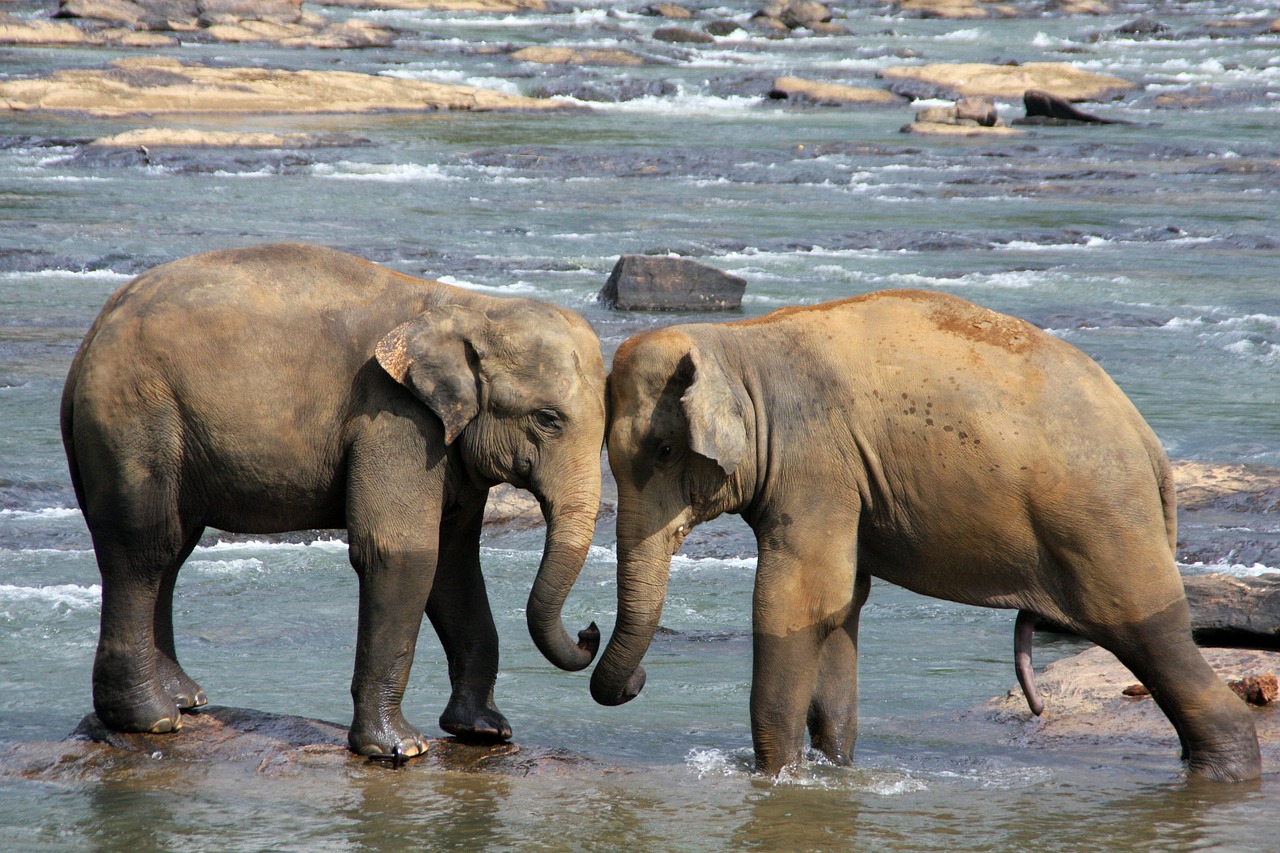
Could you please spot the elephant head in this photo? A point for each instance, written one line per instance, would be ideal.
(519, 389)
(681, 445)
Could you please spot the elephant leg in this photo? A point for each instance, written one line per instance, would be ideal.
(394, 494)
(459, 612)
(130, 690)
(1216, 729)
(186, 693)
(804, 592)
(833, 710)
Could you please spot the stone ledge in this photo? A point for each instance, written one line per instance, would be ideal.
(158, 85)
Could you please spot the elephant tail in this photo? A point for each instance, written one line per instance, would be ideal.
(1023, 631)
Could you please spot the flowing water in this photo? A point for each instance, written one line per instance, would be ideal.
(1154, 246)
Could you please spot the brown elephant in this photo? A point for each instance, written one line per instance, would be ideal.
(918, 438)
(290, 387)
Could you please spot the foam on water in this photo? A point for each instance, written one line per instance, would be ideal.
(61, 597)
(247, 565)
(399, 173)
(48, 513)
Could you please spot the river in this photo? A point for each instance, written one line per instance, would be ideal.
(1153, 246)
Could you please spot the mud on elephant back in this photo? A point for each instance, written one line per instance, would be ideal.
(291, 387)
(917, 438)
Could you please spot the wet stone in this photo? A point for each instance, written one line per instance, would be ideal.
(266, 744)
(657, 283)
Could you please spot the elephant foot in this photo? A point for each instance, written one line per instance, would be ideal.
(159, 715)
(484, 724)
(186, 693)
(386, 739)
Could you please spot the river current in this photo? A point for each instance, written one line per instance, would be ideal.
(1153, 246)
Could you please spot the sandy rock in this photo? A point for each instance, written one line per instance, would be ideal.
(1085, 703)
(512, 506)
(1011, 81)
(160, 137)
(572, 56)
(264, 744)
(828, 94)
(934, 128)
(662, 283)
(15, 30)
(496, 7)
(156, 85)
(672, 11)
(972, 116)
(951, 10)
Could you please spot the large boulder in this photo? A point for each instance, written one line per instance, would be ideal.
(550, 55)
(1005, 81)
(660, 283)
(156, 85)
(1235, 611)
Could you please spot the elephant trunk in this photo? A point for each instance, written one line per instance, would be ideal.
(570, 527)
(642, 589)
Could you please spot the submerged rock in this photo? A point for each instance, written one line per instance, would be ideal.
(972, 116)
(264, 744)
(659, 283)
(1007, 81)
(154, 85)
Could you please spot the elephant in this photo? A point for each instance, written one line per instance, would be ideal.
(291, 387)
(918, 438)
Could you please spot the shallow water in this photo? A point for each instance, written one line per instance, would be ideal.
(1155, 247)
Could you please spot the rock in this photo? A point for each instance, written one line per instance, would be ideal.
(952, 10)
(1242, 612)
(972, 116)
(157, 85)
(264, 744)
(981, 111)
(828, 94)
(495, 7)
(682, 35)
(660, 283)
(1142, 27)
(1226, 487)
(284, 22)
(798, 13)
(572, 56)
(159, 137)
(1085, 704)
(722, 27)
(1080, 7)
(511, 506)
(1043, 105)
(1257, 689)
(15, 30)
(1011, 81)
(673, 11)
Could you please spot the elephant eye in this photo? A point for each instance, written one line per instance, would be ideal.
(548, 419)
(664, 452)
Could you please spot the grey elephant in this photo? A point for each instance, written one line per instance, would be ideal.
(918, 438)
(289, 387)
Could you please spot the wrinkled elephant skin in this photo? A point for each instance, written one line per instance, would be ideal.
(291, 387)
(913, 437)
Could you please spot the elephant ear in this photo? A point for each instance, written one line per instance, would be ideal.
(435, 355)
(716, 414)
